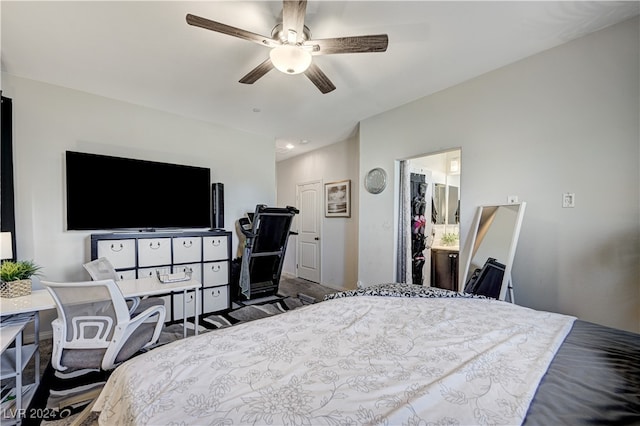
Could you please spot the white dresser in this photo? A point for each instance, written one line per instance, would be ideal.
(141, 254)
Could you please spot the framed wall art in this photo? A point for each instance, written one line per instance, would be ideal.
(337, 199)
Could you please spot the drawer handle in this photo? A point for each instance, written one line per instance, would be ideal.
(187, 244)
(152, 247)
(215, 268)
(114, 247)
(216, 243)
(215, 293)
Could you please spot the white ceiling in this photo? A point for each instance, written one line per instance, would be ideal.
(144, 52)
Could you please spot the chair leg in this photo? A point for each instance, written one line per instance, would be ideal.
(84, 414)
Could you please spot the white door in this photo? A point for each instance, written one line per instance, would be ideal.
(309, 197)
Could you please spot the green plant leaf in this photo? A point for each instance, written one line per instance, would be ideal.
(449, 239)
(19, 270)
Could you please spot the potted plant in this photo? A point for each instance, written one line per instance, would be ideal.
(16, 276)
(449, 239)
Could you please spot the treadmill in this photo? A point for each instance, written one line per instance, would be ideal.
(266, 235)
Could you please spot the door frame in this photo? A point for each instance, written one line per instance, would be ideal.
(397, 204)
(320, 204)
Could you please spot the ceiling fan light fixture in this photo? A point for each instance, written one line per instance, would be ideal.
(292, 46)
(290, 59)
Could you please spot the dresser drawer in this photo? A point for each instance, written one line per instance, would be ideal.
(215, 299)
(154, 251)
(178, 305)
(121, 253)
(215, 248)
(153, 272)
(129, 274)
(215, 273)
(187, 249)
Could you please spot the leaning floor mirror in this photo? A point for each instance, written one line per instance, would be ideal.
(491, 250)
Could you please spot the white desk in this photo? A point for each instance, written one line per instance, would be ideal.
(151, 286)
(41, 300)
(38, 300)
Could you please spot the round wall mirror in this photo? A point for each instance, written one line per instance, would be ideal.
(376, 180)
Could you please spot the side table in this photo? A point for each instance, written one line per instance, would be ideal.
(13, 361)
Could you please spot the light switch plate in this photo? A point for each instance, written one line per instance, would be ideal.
(568, 200)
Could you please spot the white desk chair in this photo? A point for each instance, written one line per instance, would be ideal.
(102, 269)
(94, 328)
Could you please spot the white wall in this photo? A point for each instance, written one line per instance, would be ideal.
(339, 240)
(565, 120)
(48, 120)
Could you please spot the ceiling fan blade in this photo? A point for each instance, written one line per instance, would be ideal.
(257, 72)
(357, 44)
(293, 18)
(208, 24)
(319, 78)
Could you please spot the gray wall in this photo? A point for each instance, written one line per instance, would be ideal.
(48, 120)
(565, 120)
(339, 240)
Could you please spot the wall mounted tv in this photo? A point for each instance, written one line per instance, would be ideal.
(105, 192)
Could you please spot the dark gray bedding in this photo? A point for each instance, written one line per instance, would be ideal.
(593, 379)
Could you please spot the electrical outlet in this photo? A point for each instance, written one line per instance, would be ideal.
(512, 199)
(568, 200)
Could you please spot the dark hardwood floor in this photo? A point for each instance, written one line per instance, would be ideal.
(298, 287)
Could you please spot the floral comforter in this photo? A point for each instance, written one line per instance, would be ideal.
(426, 357)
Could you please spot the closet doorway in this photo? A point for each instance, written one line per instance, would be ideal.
(428, 219)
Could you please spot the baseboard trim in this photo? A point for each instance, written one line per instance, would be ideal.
(334, 287)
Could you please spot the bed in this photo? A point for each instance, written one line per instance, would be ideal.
(389, 354)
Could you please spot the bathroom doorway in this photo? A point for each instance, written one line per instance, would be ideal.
(428, 219)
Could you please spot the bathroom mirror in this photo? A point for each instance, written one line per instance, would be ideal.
(446, 200)
(494, 235)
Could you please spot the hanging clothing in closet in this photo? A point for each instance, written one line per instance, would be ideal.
(418, 224)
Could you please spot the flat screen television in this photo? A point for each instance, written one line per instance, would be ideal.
(105, 193)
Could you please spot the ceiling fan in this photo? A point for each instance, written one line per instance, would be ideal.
(291, 45)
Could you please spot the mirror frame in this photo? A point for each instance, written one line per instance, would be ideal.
(507, 283)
